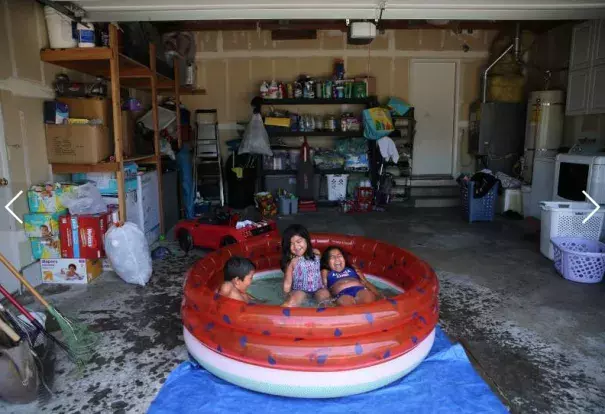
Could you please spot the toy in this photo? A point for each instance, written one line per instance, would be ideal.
(218, 229)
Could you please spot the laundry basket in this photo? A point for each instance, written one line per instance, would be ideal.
(579, 260)
(478, 209)
(337, 186)
(564, 219)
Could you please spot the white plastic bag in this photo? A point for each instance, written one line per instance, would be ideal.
(128, 252)
(256, 139)
(85, 199)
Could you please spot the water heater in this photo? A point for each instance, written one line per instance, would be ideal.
(543, 128)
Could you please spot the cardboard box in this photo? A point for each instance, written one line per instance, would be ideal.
(82, 236)
(107, 183)
(142, 205)
(42, 224)
(78, 144)
(46, 248)
(370, 82)
(46, 198)
(77, 271)
(90, 108)
(55, 112)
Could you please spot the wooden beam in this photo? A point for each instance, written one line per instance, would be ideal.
(156, 131)
(114, 64)
(177, 99)
(538, 26)
(84, 168)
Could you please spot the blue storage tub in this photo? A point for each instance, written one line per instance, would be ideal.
(478, 209)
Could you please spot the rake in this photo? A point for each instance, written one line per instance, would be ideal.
(79, 339)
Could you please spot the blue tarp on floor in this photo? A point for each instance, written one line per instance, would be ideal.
(445, 382)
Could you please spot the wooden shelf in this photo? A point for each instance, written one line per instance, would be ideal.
(95, 61)
(320, 101)
(84, 168)
(317, 171)
(285, 133)
(142, 159)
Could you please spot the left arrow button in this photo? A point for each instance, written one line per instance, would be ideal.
(7, 207)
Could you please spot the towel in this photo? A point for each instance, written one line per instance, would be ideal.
(388, 150)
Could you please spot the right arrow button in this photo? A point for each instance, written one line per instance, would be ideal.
(597, 207)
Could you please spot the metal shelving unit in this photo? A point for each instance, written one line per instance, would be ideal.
(373, 152)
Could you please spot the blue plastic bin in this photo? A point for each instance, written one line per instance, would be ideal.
(478, 209)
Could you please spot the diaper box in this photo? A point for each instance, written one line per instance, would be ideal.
(80, 271)
(46, 198)
(42, 224)
(106, 183)
(45, 248)
(82, 236)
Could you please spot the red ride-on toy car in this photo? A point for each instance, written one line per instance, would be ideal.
(218, 229)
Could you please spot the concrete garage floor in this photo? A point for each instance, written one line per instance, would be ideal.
(536, 338)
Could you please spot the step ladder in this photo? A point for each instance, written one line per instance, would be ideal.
(208, 166)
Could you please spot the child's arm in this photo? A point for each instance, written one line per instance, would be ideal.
(288, 275)
(324, 277)
(368, 284)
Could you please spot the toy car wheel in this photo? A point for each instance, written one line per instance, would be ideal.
(185, 240)
(227, 240)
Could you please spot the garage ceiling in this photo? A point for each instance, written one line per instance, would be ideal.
(170, 10)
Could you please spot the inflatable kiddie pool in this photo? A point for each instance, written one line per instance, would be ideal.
(312, 352)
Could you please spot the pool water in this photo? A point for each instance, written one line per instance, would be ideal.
(268, 287)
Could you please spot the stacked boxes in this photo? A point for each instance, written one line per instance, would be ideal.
(42, 222)
(69, 247)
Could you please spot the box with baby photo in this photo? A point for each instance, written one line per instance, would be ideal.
(79, 271)
(42, 224)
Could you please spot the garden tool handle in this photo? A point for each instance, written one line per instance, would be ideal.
(23, 280)
(9, 331)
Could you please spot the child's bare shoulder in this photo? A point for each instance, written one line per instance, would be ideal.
(226, 288)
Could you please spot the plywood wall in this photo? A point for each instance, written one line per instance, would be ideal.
(25, 82)
(232, 65)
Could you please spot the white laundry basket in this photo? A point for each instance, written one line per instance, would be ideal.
(563, 219)
(337, 186)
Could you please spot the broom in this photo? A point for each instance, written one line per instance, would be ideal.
(80, 340)
(32, 320)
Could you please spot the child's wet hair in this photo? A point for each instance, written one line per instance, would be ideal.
(237, 268)
(325, 257)
(291, 231)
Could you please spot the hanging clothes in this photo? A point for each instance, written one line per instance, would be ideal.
(388, 149)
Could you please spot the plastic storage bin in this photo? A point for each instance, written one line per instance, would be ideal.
(579, 260)
(511, 200)
(478, 209)
(563, 219)
(337, 186)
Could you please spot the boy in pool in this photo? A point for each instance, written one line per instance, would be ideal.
(239, 272)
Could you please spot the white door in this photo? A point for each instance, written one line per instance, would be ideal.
(8, 225)
(432, 93)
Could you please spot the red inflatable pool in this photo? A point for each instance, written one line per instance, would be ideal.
(310, 352)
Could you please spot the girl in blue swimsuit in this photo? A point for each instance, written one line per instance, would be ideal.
(348, 285)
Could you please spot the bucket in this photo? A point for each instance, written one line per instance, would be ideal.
(86, 35)
(294, 205)
(60, 31)
(284, 206)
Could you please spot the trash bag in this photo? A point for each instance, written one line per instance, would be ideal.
(20, 378)
(256, 139)
(84, 199)
(128, 252)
